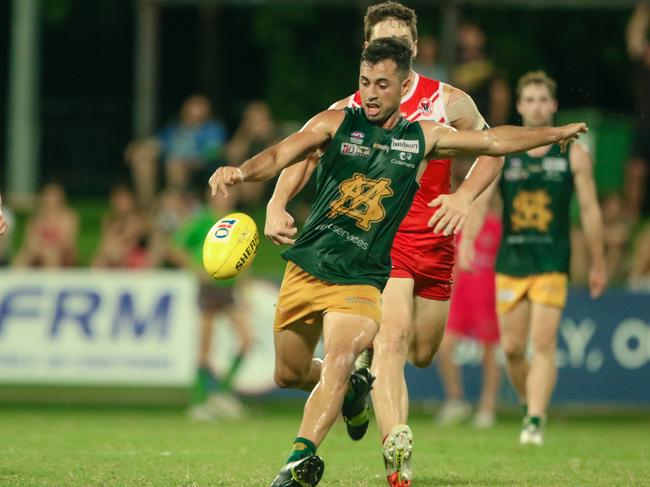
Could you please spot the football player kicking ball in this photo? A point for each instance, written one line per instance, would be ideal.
(341, 261)
(415, 302)
(533, 261)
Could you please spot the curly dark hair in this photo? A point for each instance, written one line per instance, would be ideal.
(390, 10)
(389, 48)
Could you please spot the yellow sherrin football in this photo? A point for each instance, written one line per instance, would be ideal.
(230, 246)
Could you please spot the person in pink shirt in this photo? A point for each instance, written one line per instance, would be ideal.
(473, 315)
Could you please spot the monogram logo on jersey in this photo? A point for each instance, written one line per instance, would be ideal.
(361, 200)
(531, 211)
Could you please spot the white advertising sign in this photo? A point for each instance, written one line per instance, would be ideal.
(92, 327)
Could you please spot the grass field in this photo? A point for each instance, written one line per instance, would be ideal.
(124, 447)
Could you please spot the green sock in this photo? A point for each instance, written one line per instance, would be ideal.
(536, 421)
(225, 385)
(204, 383)
(302, 447)
(524, 408)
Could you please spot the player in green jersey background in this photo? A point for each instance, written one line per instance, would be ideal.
(533, 262)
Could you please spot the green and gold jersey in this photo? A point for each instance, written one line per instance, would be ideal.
(364, 188)
(536, 194)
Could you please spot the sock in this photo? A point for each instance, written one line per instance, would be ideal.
(536, 421)
(524, 408)
(302, 447)
(204, 383)
(226, 381)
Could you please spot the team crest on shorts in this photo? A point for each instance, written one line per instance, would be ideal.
(357, 137)
(425, 106)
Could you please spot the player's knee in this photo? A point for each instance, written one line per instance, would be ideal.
(421, 357)
(544, 344)
(514, 351)
(288, 378)
(393, 337)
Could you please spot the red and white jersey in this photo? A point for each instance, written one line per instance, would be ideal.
(424, 101)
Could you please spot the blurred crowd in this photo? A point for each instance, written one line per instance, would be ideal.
(170, 169)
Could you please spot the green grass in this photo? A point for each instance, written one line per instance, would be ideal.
(123, 447)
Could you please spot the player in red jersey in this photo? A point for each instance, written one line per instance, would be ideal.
(415, 302)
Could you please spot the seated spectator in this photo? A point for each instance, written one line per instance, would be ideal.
(124, 233)
(51, 235)
(172, 212)
(256, 132)
(639, 278)
(186, 146)
(616, 240)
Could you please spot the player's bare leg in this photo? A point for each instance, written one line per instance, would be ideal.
(295, 365)
(345, 337)
(429, 321)
(542, 375)
(513, 328)
(454, 409)
(490, 382)
(389, 395)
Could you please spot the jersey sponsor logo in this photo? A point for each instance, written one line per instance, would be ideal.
(354, 239)
(380, 147)
(412, 146)
(360, 199)
(397, 162)
(354, 150)
(357, 137)
(425, 106)
(531, 211)
(555, 164)
(515, 170)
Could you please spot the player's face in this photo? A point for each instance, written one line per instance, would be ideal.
(381, 88)
(536, 105)
(393, 28)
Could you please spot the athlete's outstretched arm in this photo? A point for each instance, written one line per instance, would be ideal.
(443, 141)
(592, 221)
(269, 162)
(279, 226)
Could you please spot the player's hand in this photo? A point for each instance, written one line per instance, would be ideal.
(597, 281)
(466, 256)
(223, 177)
(570, 133)
(452, 212)
(279, 226)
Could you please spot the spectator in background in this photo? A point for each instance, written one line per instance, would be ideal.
(3, 222)
(638, 48)
(186, 146)
(51, 234)
(172, 211)
(479, 77)
(6, 230)
(426, 62)
(639, 278)
(256, 132)
(616, 240)
(472, 315)
(124, 233)
(213, 397)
